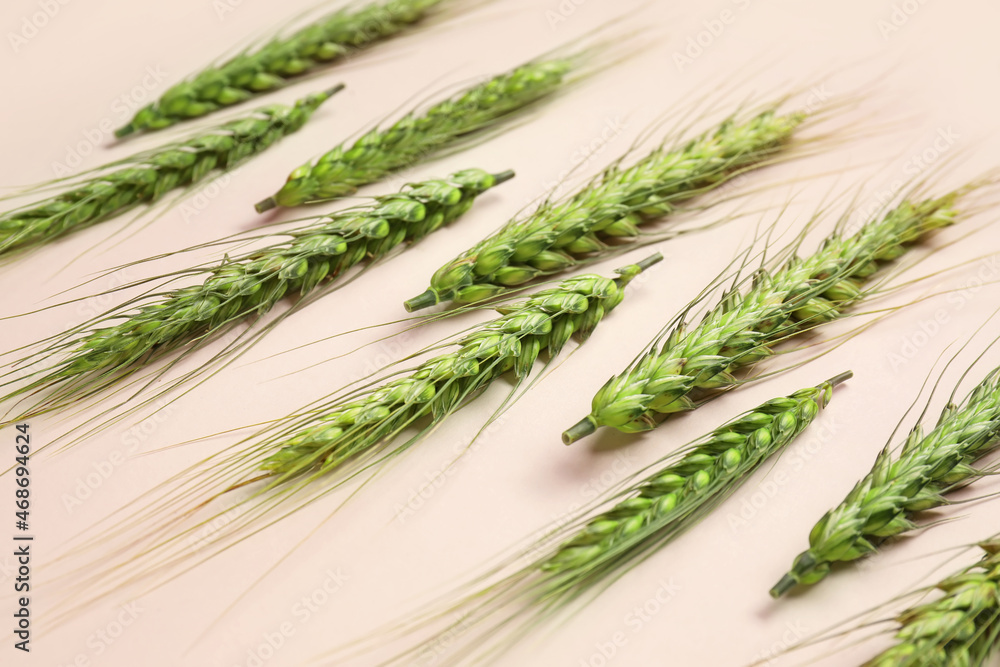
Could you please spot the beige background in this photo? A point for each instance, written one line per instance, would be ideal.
(933, 72)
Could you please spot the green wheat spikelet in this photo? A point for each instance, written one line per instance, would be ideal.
(258, 71)
(369, 422)
(884, 503)
(608, 212)
(959, 629)
(676, 494)
(418, 134)
(146, 177)
(692, 363)
(254, 283)
(513, 342)
(591, 547)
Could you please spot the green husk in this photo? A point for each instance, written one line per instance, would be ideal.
(959, 629)
(419, 134)
(347, 428)
(271, 66)
(884, 503)
(685, 365)
(105, 350)
(146, 177)
(674, 495)
(287, 464)
(593, 548)
(609, 211)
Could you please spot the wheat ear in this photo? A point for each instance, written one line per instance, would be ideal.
(382, 151)
(295, 453)
(608, 212)
(258, 71)
(441, 385)
(689, 364)
(147, 176)
(590, 549)
(959, 629)
(251, 284)
(674, 495)
(884, 503)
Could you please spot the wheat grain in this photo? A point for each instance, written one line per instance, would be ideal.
(328, 433)
(885, 501)
(959, 629)
(252, 284)
(589, 549)
(608, 212)
(381, 151)
(146, 177)
(677, 493)
(690, 364)
(257, 71)
(441, 385)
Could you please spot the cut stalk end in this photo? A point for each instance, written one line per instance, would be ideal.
(649, 261)
(124, 131)
(503, 176)
(581, 429)
(428, 298)
(627, 273)
(786, 584)
(843, 377)
(265, 205)
(330, 92)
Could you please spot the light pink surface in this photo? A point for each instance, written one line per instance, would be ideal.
(933, 76)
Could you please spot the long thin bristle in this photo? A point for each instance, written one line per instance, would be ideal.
(742, 329)
(83, 362)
